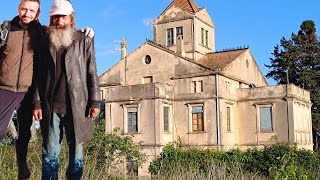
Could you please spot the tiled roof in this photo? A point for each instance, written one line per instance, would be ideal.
(186, 5)
(220, 59)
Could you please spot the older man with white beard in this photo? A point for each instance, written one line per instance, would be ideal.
(60, 32)
(66, 94)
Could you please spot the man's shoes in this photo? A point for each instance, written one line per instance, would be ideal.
(23, 172)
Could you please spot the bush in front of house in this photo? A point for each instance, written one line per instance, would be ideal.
(278, 161)
(118, 153)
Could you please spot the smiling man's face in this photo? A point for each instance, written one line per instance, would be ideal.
(28, 11)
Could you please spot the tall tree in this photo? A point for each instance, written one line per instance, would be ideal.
(297, 60)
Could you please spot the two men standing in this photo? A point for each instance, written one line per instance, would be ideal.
(65, 91)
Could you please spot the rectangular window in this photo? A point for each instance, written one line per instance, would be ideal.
(194, 86)
(228, 119)
(197, 118)
(147, 80)
(265, 118)
(166, 119)
(170, 37)
(206, 38)
(132, 119)
(202, 36)
(227, 86)
(179, 31)
(102, 95)
(200, 86)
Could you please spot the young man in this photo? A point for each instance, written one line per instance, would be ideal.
(17, 59)
(16, 63)
(68, 89)
(16, 72)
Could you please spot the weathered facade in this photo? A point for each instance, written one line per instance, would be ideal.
(178, 86)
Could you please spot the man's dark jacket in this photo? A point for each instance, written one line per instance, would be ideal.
(82, 82)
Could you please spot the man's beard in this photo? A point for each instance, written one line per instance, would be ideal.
(61, 37)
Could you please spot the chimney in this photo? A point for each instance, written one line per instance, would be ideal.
(180, 46)
(124, 48)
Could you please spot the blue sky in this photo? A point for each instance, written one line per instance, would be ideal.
(259, 24)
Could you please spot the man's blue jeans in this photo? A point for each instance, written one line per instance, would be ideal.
(51, 149)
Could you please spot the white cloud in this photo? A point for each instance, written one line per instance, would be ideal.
(107, 49)
(112, 11)
(148, 21)
(107, 52)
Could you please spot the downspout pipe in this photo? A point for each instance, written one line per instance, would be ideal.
(194, 37)
(111, 125)
(218, 113)
(288, 118)
(125, 71)
(155, 122)
(110, 112)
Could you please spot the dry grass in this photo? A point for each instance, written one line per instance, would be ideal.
(215, 173)
(94, 171)
(9, 169)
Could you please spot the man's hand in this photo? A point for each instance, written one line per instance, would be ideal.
(88, 32)
(37, 113)
(93, 112)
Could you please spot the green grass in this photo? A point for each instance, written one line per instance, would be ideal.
(9, 169)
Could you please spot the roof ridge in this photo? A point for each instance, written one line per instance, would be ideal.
(187, 5)
(159, 45)
(221, 59)
(193, 5)
(164, 48)
(230, 50)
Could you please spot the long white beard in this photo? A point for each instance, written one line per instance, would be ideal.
(61, 37)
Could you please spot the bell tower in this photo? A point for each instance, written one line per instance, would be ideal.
(184, 22)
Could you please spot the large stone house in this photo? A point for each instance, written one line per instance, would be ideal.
(179, 87)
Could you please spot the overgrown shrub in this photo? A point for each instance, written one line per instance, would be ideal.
(113, 150)
(201, 162)
(278, 161)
